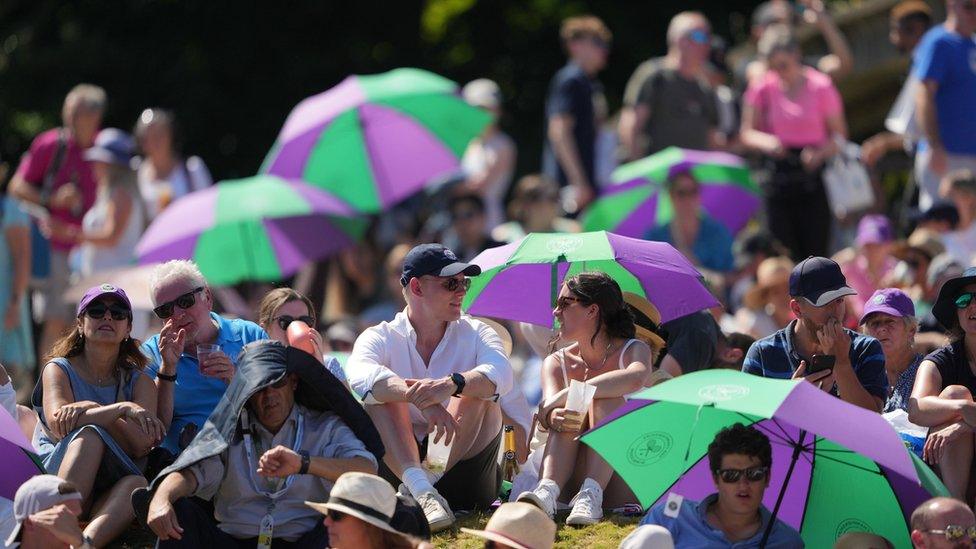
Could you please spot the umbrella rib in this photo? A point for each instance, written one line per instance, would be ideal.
(785, 438)
(842, 462)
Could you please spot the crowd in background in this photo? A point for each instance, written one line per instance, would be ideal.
(792, 284)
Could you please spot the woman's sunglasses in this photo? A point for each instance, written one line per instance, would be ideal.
(184, 302)
(753, 474)
(284, 321)
(336, 516)
(964, 300)
(97, 311)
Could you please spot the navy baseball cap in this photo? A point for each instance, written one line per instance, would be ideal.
(818, 280)
(434, 259)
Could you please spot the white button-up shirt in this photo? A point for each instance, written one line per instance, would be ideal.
(389, 349)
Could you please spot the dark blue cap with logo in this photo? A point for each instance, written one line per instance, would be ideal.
(819, 280)
(434, 259)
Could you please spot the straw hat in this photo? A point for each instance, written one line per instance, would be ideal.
(922, 240)
(502, 332)
(519, 525)
(647, 320)
(771, 272)
(366, 497)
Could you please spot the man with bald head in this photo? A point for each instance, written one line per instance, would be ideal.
(943, 522)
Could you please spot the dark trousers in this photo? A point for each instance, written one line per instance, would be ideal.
(797, 211)
(200, 531)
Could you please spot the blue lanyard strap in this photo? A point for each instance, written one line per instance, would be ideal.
(251, 465)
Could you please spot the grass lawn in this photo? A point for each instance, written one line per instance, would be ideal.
(607, 534)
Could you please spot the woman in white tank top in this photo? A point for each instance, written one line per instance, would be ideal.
(591, 311)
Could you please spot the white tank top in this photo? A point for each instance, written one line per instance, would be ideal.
(620, 362)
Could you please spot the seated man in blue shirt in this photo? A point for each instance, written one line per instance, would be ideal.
(187, 389)
(818, 290)
(740, 458)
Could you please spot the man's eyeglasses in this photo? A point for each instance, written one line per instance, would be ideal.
(452, 284)
(964, 300)
(97, 311)
(955, 533)
(184, 302)
(284, 321)
(753, 474)
(699, 36)
(563, 302)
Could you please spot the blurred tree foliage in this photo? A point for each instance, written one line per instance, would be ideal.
(232, 70)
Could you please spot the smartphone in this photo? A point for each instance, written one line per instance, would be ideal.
(820, 363)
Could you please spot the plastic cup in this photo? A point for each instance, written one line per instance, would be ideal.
(205, 350)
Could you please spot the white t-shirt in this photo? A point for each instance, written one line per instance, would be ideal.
(479, 157)
(389, 349)
(961, 244)
(186, 177)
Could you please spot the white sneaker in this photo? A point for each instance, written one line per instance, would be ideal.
(438, 512)
(587, 505)
(541, 498)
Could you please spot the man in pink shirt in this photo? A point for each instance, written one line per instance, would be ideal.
(53, 175)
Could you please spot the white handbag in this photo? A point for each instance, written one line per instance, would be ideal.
(848, 184)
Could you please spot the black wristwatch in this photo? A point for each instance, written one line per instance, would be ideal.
(166, 377)
(459, 382)
(306, 461)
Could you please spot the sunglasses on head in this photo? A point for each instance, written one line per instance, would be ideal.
(97, 311)
(184, 302)
(955, 533)
(284, 321)
(964, 300)
(753, 474)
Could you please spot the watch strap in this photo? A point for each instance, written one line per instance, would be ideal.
(459, 383)
(306, 462)
(166, 377)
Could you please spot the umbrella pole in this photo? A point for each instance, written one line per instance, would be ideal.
(797, 448)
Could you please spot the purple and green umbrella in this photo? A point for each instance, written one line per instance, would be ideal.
(259, 228)
(520, 281)
(375, 140)
(636, 202)
(837, 468)
(20, 462)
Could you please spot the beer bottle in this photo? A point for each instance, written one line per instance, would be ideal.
(510, 466)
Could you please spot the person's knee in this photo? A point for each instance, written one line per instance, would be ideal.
(88, 440)
(131, 482)
(956, 392)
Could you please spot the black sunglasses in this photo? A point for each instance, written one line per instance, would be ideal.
(184, 302)
(284, 321)
(753, 474)
(452, 284)
(97, 311)
(336, 516)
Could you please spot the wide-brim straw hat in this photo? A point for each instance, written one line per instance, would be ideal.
(366, 497)
(502, 332)
(519, 525)
(924, 241)
(772, 271)
(647, 320)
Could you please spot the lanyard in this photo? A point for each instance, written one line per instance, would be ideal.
(252, 468)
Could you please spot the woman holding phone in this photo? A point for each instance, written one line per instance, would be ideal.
(591, 311)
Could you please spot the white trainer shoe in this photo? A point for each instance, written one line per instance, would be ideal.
(587, 505)
(541, 498)
(438, 512)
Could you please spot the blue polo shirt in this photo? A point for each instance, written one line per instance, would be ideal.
(690, 529)
(712, 247)
(196, 395)
(776, 356)
(949, 59)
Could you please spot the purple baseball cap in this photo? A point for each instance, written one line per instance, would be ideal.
(890, 301)
(874, 229)
(96, 292)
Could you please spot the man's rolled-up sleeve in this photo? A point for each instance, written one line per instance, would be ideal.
(344, 444)
(366, 364)
(208, 472)
(492, 362)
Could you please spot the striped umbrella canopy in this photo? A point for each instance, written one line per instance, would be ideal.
(375, 140)
(261, 228)
(636, 202)
(20, 462)
(836, 468)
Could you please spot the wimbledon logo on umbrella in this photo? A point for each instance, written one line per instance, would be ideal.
(649, 448)
(564, 245)
(723, 392)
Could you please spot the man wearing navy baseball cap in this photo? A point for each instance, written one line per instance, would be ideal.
(420, 373)
(818, 291)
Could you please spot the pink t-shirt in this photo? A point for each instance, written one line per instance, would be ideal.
(799, 121)
(34, 166)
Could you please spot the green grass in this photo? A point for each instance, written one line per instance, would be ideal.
(606, 534)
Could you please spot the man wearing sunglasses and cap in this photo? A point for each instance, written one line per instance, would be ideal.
(817, 346)
(740, 458)
(943, 522)
(432, 371)
(188, 389)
